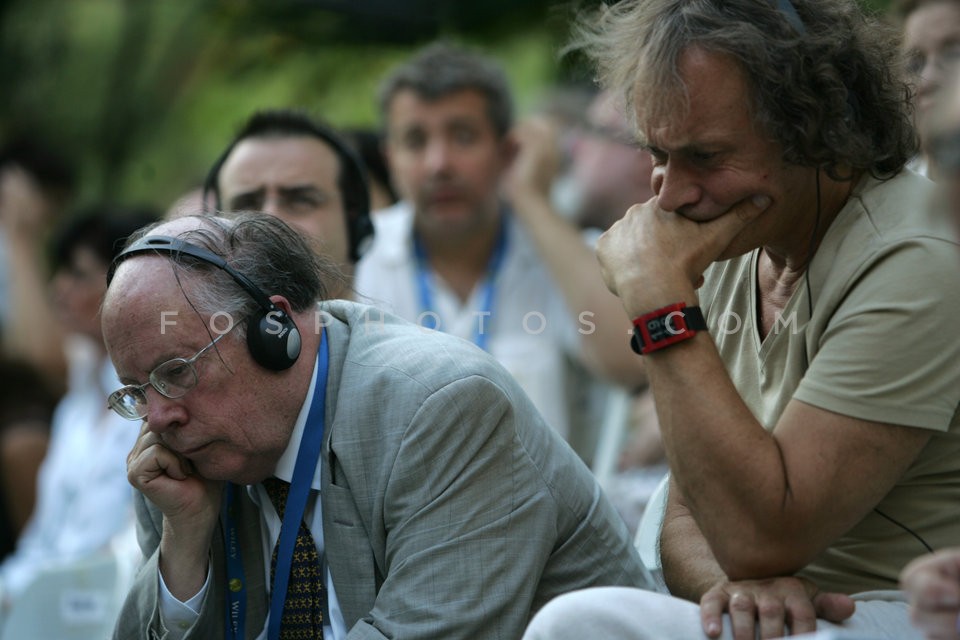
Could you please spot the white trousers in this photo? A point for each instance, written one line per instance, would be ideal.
(615, 613)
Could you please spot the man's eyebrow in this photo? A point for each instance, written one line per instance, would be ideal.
(304, 189)
(299, 187)
(691, 148)
(700, 147)
(247, 194)
(463, 120)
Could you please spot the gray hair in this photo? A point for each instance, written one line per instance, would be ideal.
(273, 256)
(441, 69)
(824, 77)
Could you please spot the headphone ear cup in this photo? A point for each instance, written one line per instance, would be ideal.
(273, 340)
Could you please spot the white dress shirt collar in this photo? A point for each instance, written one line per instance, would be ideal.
(284, 468)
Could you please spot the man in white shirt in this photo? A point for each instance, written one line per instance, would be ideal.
(506, 273)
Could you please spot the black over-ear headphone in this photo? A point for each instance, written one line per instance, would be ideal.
(352, 182)
(272, 335)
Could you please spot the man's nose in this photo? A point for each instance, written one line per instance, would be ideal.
(437, 156)
(163, 413)
(273, 205)
(674, 187)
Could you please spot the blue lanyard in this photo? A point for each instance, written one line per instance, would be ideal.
(487, 295)
(236, 579)
(303, 472)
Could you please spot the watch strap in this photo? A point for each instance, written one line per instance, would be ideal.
(666, 326)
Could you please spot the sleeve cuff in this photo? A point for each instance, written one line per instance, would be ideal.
(177, 617)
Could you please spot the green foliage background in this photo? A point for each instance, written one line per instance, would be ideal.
(142, 94)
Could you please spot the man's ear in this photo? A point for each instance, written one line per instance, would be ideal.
(282, 303)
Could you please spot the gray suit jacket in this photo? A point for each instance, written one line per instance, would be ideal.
(450, 509)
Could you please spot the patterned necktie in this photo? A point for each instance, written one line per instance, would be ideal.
(303, 608)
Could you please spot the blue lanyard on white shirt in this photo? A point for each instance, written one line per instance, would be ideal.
(488, 292)
(303, 472)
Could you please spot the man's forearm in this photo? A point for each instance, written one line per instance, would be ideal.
(184, 561)
(689, 567)
(600, 315)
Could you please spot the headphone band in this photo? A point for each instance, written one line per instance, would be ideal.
(272, 336)
(790, 13)
(169, 245)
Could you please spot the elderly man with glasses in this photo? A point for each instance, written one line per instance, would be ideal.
(319, 469)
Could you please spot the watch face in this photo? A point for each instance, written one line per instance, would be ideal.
(665, 326)
(657, 329)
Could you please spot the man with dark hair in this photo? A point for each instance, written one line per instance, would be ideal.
(287, 164)
(426, 498)
(36, 185)
(795, 302)
(474, 248)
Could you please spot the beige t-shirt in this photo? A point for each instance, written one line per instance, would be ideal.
(882, 344)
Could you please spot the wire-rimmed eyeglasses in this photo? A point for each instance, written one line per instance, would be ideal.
(171, 379)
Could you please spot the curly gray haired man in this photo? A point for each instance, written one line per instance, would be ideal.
(791, 293)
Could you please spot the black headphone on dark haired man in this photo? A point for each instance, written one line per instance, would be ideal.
(272, 336)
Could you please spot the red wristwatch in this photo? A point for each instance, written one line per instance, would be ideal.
(666, 326)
